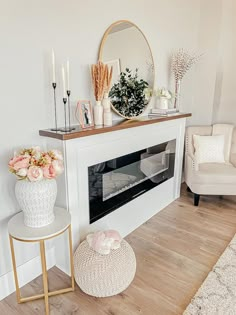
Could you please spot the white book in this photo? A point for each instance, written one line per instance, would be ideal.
(163, 114)
(163, 111)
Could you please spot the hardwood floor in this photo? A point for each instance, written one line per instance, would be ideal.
(175, 250)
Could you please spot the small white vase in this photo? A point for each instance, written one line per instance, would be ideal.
(98, 114)
(163, 103)
(107, 118)
(106, 103)
(37, 200)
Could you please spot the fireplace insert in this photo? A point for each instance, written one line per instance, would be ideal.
(115, 182)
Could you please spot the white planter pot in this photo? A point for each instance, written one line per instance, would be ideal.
(37, 200)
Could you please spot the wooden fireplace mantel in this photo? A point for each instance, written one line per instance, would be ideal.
(117, 125)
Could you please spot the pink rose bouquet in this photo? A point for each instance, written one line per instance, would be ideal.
(34, 165)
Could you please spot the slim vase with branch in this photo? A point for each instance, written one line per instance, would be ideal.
(177, 94)
(181, 63)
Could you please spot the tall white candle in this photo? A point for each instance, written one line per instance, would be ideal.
(68, 74)
(63, 81)
(53, 68)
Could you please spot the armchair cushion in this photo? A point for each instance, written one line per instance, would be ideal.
(209, 149)
(215, 173)
(233, 149)
(227, 131)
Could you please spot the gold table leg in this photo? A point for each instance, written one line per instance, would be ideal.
(71, 260)
(46, 293)
(45, 276)
(13, 257)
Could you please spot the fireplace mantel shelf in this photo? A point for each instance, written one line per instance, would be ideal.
(117, 125)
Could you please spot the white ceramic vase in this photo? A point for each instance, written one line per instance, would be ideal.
(106, 103)
(107, 118)
(37, 200)
(107, 115)
(163, 103)
(98, 114)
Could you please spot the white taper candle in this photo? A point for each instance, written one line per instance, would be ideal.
(53, 68)
(68, 74)
(63, 81)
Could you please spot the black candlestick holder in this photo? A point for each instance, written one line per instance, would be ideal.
(69, 110)
(66, 128)
(54, 85)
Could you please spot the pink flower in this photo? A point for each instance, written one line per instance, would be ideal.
(98, 239)
(19, 162)
(34, 173)
(49, 171)
(36, 148)
(22, 173)
(47, 159)
(57, 154)
(58, 166)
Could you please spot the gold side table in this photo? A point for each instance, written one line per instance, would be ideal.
(18, 231)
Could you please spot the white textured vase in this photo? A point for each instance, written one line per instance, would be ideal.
(98, 114)
(37, 200)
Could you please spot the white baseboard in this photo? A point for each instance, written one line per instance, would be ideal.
(64, 268)
(26, 273)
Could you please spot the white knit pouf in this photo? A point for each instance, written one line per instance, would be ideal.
(104, 275)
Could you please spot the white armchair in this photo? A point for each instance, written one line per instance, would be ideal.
(209, 178)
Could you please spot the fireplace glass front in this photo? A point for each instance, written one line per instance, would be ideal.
(115, 182)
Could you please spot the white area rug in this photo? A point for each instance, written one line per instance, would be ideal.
(217, 295)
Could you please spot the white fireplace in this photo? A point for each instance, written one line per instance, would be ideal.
(80, 153)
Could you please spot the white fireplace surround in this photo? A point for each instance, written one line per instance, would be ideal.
(79, 153)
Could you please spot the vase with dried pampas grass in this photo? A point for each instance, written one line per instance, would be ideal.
(106, 102)
(98, 73)
(181, 63)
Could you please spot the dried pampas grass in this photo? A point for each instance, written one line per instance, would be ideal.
(109, 73)
(101, 79)
(98, 73)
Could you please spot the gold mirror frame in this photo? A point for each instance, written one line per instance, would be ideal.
(101, 47)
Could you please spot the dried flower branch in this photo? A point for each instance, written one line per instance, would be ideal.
(99, 73)
(181, 63)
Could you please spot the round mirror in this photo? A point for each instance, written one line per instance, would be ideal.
(125, 48)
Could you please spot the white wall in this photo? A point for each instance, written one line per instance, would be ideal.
(74, 28)
(225, 86)
(201, 79)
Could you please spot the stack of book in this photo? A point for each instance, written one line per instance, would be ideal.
(163, 112)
